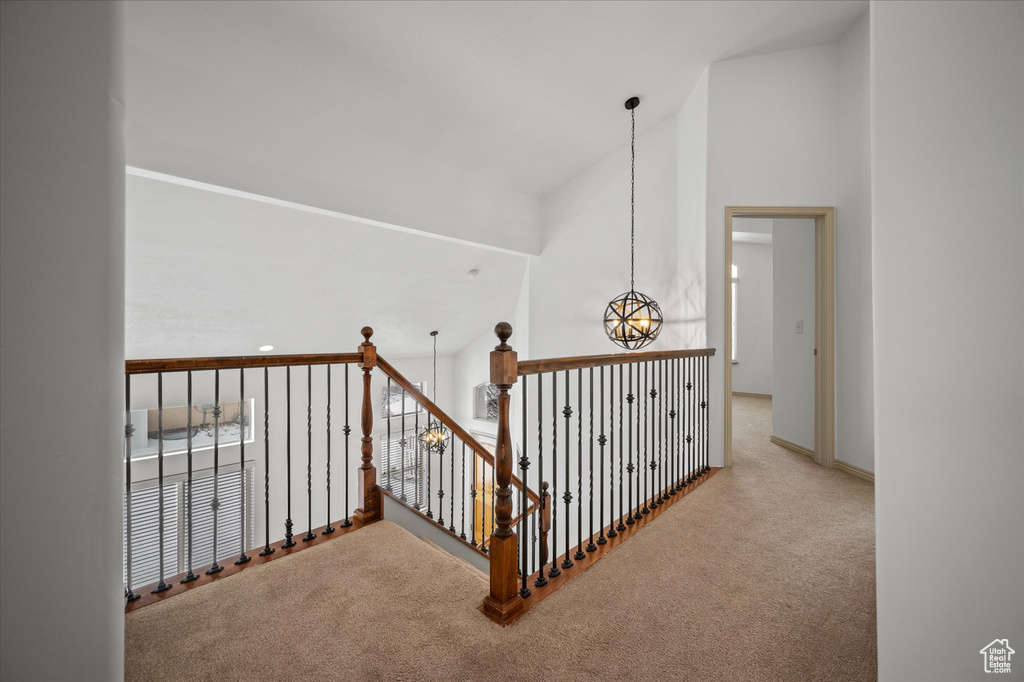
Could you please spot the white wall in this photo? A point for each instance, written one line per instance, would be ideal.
(753, 371)
(793, 350)
(691, 215)
(855, 425)
(62, 334)
(761, 110)
(948, 274)
(584, 261)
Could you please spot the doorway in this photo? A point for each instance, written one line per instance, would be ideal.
(823, 347)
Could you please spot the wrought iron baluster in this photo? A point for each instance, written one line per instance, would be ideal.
(389, 464)
(472, 504)
(673, 391)
(541, 553)
(591, 547)
(661, 432)
(451, 480)
(346, 430)
(555, 571)
(242, 556)
(189, 574)
(420, 453)
(440, 477)
(129, 430)
(691, 464)
(329, 528)
(267, 549)
(629, 468)
(161, 586)
(309, 453)
(462, 504)
(567, 495)
(579, 466)
(524, 466)
(215, 567)
(602, 440)
(646, 421)
(704, 406)
(288, 542)
(655, 436)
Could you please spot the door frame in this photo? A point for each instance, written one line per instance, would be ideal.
(824, 321)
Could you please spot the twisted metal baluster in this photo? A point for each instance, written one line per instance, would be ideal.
(129, 430)
(288, 542)
(267, 549)
(707, 414)
(472, 511)
(524, 466)
(215, 502)
(629, 468)
(692, 465)
(309, 453)
(591, 547)
(602, 441)
(660, 417)
(646, 421)
(329, 528)
(161, 586)
(462, 506)
(346, 430)
(567, 495)
(541, 580)
(440, 478)
(555, 571)
(673, 398)
(189, 575)
(451, 479)
(242, 556)
(579, 467)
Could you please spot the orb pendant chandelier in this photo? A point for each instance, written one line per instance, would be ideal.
(632, 320)
(434, 436)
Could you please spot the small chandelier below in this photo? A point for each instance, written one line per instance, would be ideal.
(434, 436)
(633, 320)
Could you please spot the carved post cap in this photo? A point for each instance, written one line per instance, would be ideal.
(503, 330)
(367, 332)
(368, 350)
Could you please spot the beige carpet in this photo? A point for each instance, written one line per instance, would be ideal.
(764, 573)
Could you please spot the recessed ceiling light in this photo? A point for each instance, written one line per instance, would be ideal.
(264, 349)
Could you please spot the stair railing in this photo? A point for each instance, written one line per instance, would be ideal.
(446, 481)
(620, 437)
(182, 493)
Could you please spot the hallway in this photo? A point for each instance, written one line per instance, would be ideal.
(766, 572)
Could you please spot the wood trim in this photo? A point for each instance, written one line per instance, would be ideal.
(146, 597)
(799, 449)
(443, 417)
(855, 471)
(824, 322)
(237, 362)
(528, 367)
(744, 394)
(539, 594)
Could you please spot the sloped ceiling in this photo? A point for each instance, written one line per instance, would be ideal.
(451, 117)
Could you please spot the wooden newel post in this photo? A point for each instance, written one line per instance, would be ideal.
(367, 493)
(503, 603)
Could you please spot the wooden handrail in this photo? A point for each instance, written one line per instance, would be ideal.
(237, 362)
(527, 367)
(443, 417)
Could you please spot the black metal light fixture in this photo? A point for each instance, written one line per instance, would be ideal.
(632, 320)
(434, 436)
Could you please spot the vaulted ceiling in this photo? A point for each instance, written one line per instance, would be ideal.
(352, 106)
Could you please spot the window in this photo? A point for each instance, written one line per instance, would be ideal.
(402, 465)
(393, 405)
(234, 491)
(735, 281)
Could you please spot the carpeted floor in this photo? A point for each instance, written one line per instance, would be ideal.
(766, 572)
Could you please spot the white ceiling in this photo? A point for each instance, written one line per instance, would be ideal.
(525, 94)
(213, 274)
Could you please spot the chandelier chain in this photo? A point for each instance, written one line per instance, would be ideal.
(435, 368)
(632, 200)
